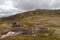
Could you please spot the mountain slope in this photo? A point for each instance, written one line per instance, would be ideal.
(35, 18)
(50, 18)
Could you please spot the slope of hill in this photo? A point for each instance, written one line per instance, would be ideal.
(38, 17)
(35, 18)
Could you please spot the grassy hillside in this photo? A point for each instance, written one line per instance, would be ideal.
(35, 18)
(48, 18)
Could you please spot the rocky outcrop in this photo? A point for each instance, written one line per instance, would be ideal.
(26, 31)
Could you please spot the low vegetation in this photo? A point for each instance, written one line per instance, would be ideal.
(35, 18)
(30, 37)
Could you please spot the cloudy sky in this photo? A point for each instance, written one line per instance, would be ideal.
(11, 7)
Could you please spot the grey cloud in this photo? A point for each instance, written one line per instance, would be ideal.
(2, 1)
(23, 5)
(32, 4)
(35, 4)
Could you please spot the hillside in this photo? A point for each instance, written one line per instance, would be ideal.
(35, 18)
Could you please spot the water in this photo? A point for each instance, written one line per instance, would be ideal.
(9, 34)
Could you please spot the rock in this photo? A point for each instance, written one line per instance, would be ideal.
(26, 31)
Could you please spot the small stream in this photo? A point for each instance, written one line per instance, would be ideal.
(9, 34)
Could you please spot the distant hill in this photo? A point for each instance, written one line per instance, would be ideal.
(43, 12)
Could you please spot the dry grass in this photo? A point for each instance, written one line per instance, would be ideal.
(30, 19)
(30, 37)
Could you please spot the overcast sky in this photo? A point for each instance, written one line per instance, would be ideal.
(10, 7)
